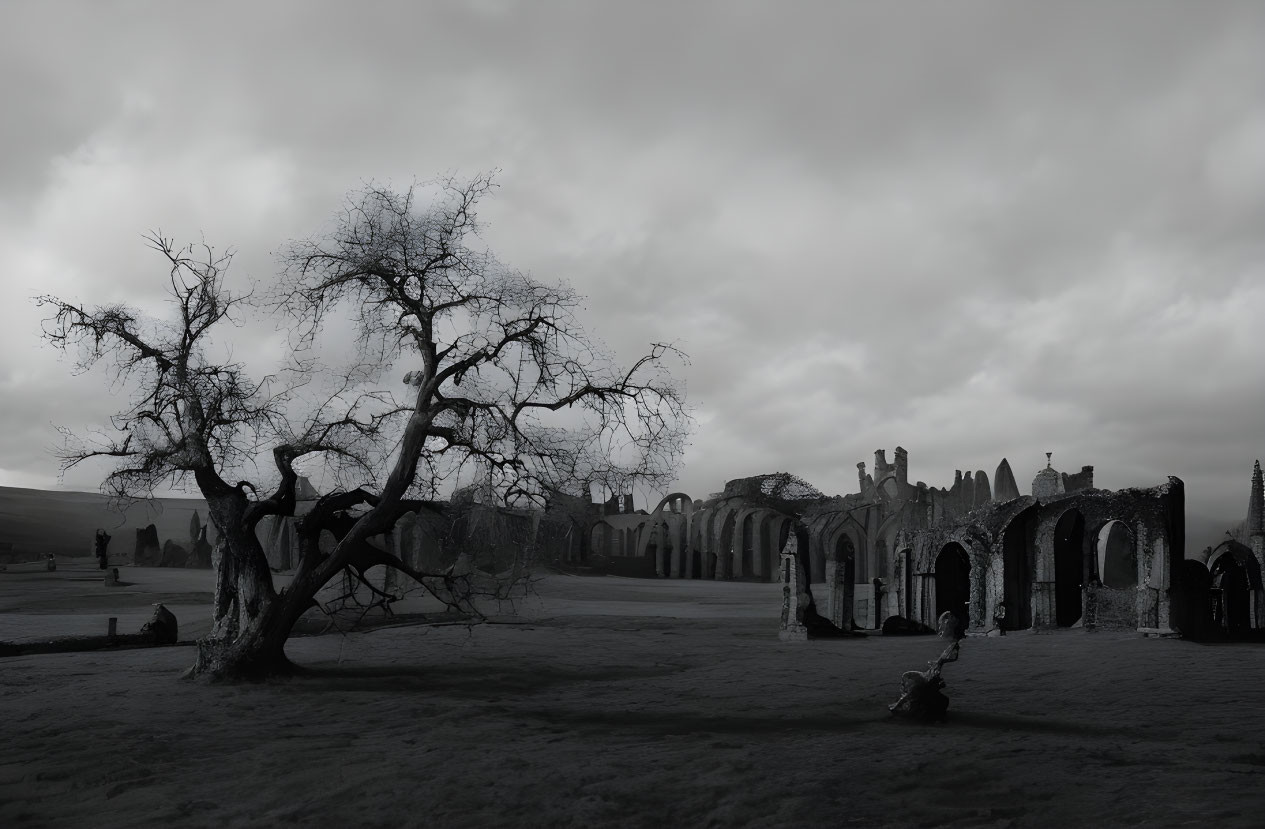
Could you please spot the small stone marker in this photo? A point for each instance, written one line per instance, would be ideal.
(114, 627)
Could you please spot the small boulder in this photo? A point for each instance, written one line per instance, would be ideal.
(162, 626)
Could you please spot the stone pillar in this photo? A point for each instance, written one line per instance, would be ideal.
(793, 599)
(1161, 582)
(1043, 615)
(837, 611)
(925, 607)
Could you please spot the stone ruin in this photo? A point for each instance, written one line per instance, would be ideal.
(195, 552)
(148, 552)
(899, 554)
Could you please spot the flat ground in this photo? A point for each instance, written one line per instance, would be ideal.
(616, 702)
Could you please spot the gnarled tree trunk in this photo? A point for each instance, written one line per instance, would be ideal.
(250, 621)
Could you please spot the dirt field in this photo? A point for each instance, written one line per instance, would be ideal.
(616, 702)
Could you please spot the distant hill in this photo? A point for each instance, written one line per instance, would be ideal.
(38, 522)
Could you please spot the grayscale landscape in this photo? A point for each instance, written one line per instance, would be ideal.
(715, 413)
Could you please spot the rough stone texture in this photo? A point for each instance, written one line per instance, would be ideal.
(983, 494)
(1048, 483)
(1015, 549)
(1004, 479)
(850, 541)
(1113, 608)
(794, 599)
(162, 626)
(148, 552)
(200, 555)
(1077, 481)
(173, 555)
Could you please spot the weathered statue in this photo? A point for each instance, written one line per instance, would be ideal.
(949, 626)
(920, 696)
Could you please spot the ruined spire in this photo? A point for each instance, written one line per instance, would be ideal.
(983, 492)
(1256, 505)
(1007, 489)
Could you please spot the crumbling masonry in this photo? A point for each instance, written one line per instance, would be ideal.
(1065, 555)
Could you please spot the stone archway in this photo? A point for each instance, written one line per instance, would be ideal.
(1117, 556)
(1069, 568)
(953, 582)
(748, 545)
(1231, 595)
(1018, 556)
(724, 563)
(1192, 601)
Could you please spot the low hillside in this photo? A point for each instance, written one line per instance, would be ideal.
(38, 522)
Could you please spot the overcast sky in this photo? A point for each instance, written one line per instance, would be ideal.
(975, 230)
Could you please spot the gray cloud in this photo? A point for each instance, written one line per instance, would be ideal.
(973, 229)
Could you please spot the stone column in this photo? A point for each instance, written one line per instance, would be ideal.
(1162, 583)
(793, 599)
(1257, 543)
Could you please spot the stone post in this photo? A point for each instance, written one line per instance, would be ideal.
(793, 600)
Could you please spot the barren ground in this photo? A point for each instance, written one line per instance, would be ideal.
(615, 702)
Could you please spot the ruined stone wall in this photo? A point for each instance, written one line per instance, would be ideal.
(1078, 481)
(1113, 608)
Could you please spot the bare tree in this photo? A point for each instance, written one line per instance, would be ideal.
(501, 382)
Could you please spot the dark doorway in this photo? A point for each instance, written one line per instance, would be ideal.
(664, 541)
(1192, 601)
(805, 559)
(771, 557)
(748, 546)
(953, 583)
(725, 555)
(845, 573)
(1017, 545)
(907, 565)
(1231, 595)
(1069, 568)
(1118, 555)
